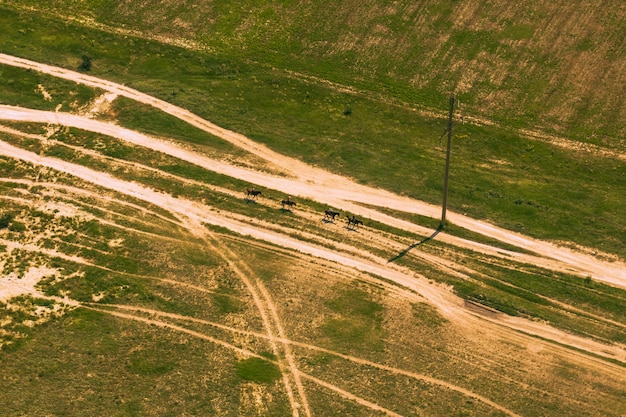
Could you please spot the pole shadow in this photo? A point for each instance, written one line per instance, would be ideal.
(421, 242)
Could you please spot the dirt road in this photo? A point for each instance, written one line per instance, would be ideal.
(448, 304)
(337, 191)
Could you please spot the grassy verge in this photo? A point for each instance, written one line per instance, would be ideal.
(40, 91)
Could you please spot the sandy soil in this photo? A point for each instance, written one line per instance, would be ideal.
(354, 359)
(12, 285)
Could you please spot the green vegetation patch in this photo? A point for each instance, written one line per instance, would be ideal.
(113, 366)
(546, 187)
(577, 305)
(258, 370)
(5, 219)
(143, 362)
(147, 119)
(226, 303)
(357, 322)
(96, 282)
(427, 315)
(355, 302)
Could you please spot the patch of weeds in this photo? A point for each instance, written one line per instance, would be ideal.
(428, 315)
(97, 281)
(192, 256)
(19, 315)
(483, 295)
(17, 227)
(355, 302)
(320, 359)
(226, 304)
(257, 370)
(19, 261)
(351, 333)
(357, 323)
(43, 302)
(47, 287)
(5, 220)
(149, 363)
(124, 264)
(268, 355)
(13, 344)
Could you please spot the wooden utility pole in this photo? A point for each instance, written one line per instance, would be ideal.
(445, 181)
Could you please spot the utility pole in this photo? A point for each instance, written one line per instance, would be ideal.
(445, 181)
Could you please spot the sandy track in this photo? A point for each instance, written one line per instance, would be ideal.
(92, 194)
(448, 304)
(449, 266)
(324, 186)
(260, 296)
(248, 353)
(361, 361)
(271, 321)
(51, 253)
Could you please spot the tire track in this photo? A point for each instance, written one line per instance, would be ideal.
(270, 318)
(91, 194)
(246, 353)
(51, 253)
(339, 191)
(330, 185)
(448, 304)
(194, 225)
(354, 359)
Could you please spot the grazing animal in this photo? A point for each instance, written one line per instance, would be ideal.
(331, 214)
(353, 221)
(288, 203)
(252, 192)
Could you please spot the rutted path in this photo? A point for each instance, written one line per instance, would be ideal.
(270, 318)
(332, 187)
(350, 358)
(322, 186)
(344, 193)
(448, 304)
(249, 353)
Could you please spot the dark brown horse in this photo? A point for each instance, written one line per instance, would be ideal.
(353, 222)
(251, 192)
(288, 203)
(331, 214)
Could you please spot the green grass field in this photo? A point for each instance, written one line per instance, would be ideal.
(509, 64)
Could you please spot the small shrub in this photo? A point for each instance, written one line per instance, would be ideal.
(5, 220)
(85, 64)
